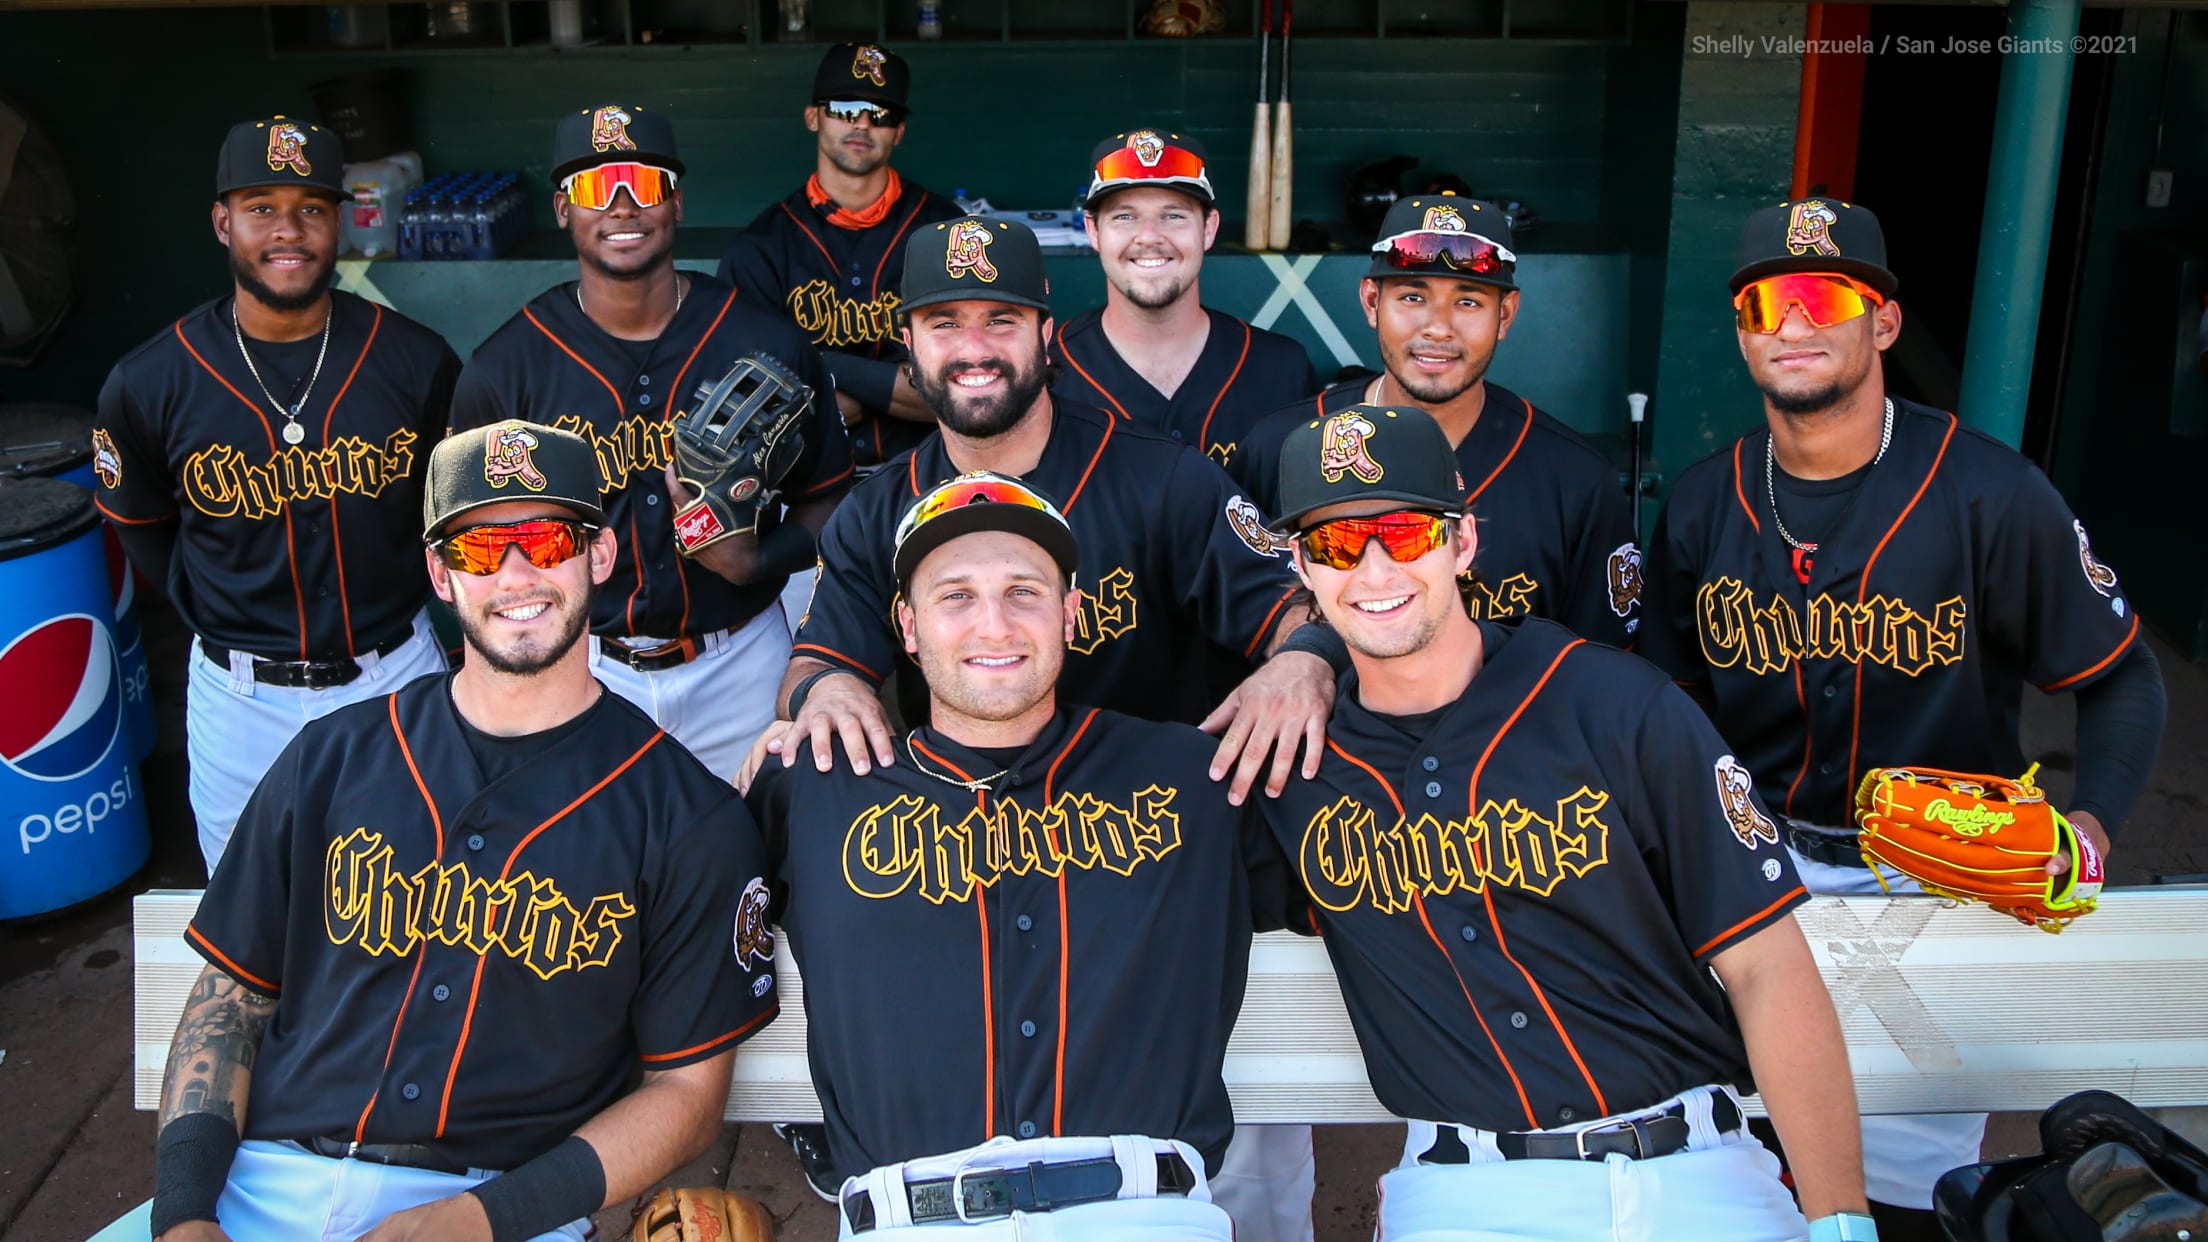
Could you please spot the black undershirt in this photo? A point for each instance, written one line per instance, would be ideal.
(639, 352)
(1417, 725)
(500, 757)
(284, 367)
(1811, 508)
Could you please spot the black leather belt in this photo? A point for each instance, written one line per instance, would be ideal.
(1040, 1186)
(1836, 849)
(405, 1155)
(1644, 1138)
(302, 674)
(651, 659)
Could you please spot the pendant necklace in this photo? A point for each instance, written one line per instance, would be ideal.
(293, 433)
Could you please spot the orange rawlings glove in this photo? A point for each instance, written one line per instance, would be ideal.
(1978, 838)
(701, 1214)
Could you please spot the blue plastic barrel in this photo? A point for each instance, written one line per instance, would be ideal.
(46, 441)
(72, 808)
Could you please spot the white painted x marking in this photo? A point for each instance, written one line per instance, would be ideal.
(1866, 974)
(1293, 289)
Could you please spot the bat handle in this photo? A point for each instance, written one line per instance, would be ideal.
(1637, 402)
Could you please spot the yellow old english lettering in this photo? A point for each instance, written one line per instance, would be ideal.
(1512, 597)
(600, 931)
(946, 858)
(884, 844)
(1334, 857)
(1106, 612)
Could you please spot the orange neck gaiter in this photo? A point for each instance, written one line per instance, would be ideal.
(844, 217)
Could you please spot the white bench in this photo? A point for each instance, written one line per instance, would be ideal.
(1945, 1008)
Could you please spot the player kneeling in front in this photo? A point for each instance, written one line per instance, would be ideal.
(453, 919)
(1025, 942)
(1525, 887)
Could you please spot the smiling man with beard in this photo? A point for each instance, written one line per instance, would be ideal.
(258, 459)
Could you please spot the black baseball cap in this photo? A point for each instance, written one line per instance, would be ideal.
(1439, 235)
(865, 71)
(612, 134)
(980, 501)
(280, 151)
(972, 259)
(1368, 452)
(511, 460)
(1149, 157)
(1814, 235)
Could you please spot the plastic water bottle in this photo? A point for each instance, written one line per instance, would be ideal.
(931, 19)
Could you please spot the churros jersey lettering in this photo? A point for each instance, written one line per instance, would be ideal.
(1063, 956)
(479, 964)
(1953, 576)
(1243, 374)
(1521, 904)
(289, 551)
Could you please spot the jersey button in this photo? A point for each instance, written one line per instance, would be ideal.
(475, 840)
(1831, 690)
(644, 381)
(643, 398)
(1566, 1114)
(651, 498)
(411, 1092)
(1176, 435)
(1430, 763)
(1433, 789)
(1027, 1129)
(441, 992)
(1825, 768)
(1024, 923)
(1027, 1029)
(854, 282)
(1518, 1019)
(1470, 933)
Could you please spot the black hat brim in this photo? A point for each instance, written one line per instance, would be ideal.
(1869, 273)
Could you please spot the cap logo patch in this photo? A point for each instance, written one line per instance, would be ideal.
(1249, 526)
(867, 62)
(969, 252)
(108, 464)
(506, 456)
(609, 129)
(1625, 579)
(754, 939)
(2100, 577)
(287, 148)
(1443, 219)
(1147, 146)
(1342, 449)
(1734, 793)
(1809, 229)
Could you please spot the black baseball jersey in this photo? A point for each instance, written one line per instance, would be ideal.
(302, 551)
(1955, 576)
(842, 288)
(1064, 956)
(550, 364)
(478, 965)
(1521, 905)
(1243, 374)
(1556, 529)
(1173, 561)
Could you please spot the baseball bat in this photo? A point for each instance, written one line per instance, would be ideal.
(1638, 402)
(1255, 232)
(1280, 213)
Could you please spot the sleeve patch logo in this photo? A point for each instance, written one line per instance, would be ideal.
(1625, 579)
(1343, 449)
(754, 939)
(609, 129)
(969, 252)
(1736, 794)
(287, 148)
(866, 64)
(106, 462)
(1772, 870)
(2100, 577)
(506, 456)
(1249, 527)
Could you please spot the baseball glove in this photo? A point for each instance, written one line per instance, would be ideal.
(1978, 838)
(701, 1214)
(734, 446)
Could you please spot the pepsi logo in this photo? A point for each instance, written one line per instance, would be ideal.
(64, 693)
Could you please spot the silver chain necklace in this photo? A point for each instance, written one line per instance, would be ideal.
(1885, 437)
(983, 785)
(681, 287)
(293, 433)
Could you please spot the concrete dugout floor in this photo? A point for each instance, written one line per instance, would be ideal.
(74, 1154)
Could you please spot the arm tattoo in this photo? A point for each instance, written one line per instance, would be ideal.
(211, 1060)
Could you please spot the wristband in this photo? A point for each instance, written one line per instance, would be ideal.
(1313, 638)
(564, 1184)
(805, 687)
(1843, 1227)
(191, 1163)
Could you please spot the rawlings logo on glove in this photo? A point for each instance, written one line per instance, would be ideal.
(1978, 838)
(733, 448)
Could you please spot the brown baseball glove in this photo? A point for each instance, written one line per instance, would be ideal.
(1978, 838)
(701, 1214)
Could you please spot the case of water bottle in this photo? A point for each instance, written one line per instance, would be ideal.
(464, 215)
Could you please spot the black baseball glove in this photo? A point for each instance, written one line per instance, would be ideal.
(734, 446)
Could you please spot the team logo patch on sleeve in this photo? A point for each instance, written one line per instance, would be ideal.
(1342, 449)
(1809, 229)
(866, 64)
(2100, 577)
(1735, 793)
(969, 251)
(1442, 219)
(754, 939)
(1249, 526)
(1625, 579)
(287, 148)
(609, 129)
(108, 464)
(506, 456)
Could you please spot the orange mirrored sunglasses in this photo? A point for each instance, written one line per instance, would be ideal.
(1406, 534)
(547, 543)
(1125, 166)
(961, 492)
(595, 187)
(1825, 298)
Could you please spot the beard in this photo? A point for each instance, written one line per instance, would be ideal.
(1431, 389)
(527, 657)
(981, 418)
(1810, 401)
(1396, 645)
(950, 689)
(854, 165)
(1153, 295)
(245, 272)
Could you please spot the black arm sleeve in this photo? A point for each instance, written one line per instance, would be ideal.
(873, 381)
(151, 548)
(2120, 720)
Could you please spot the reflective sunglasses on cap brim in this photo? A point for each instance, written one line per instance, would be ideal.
(546, 543)
(1406, 535)
(852, 111)
(1469, 253)
(594, 188)
(959, 495)
(1825, 298)
(1124, 167)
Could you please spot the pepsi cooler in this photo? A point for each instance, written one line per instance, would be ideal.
(72, 808)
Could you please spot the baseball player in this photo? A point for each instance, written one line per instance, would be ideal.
(1557, 538)
(1864, 582)
(831, 256)
(1557, 909)
(458, 919)
(1155, 353)
(616, 355)
(995, 928)
(259, 457)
